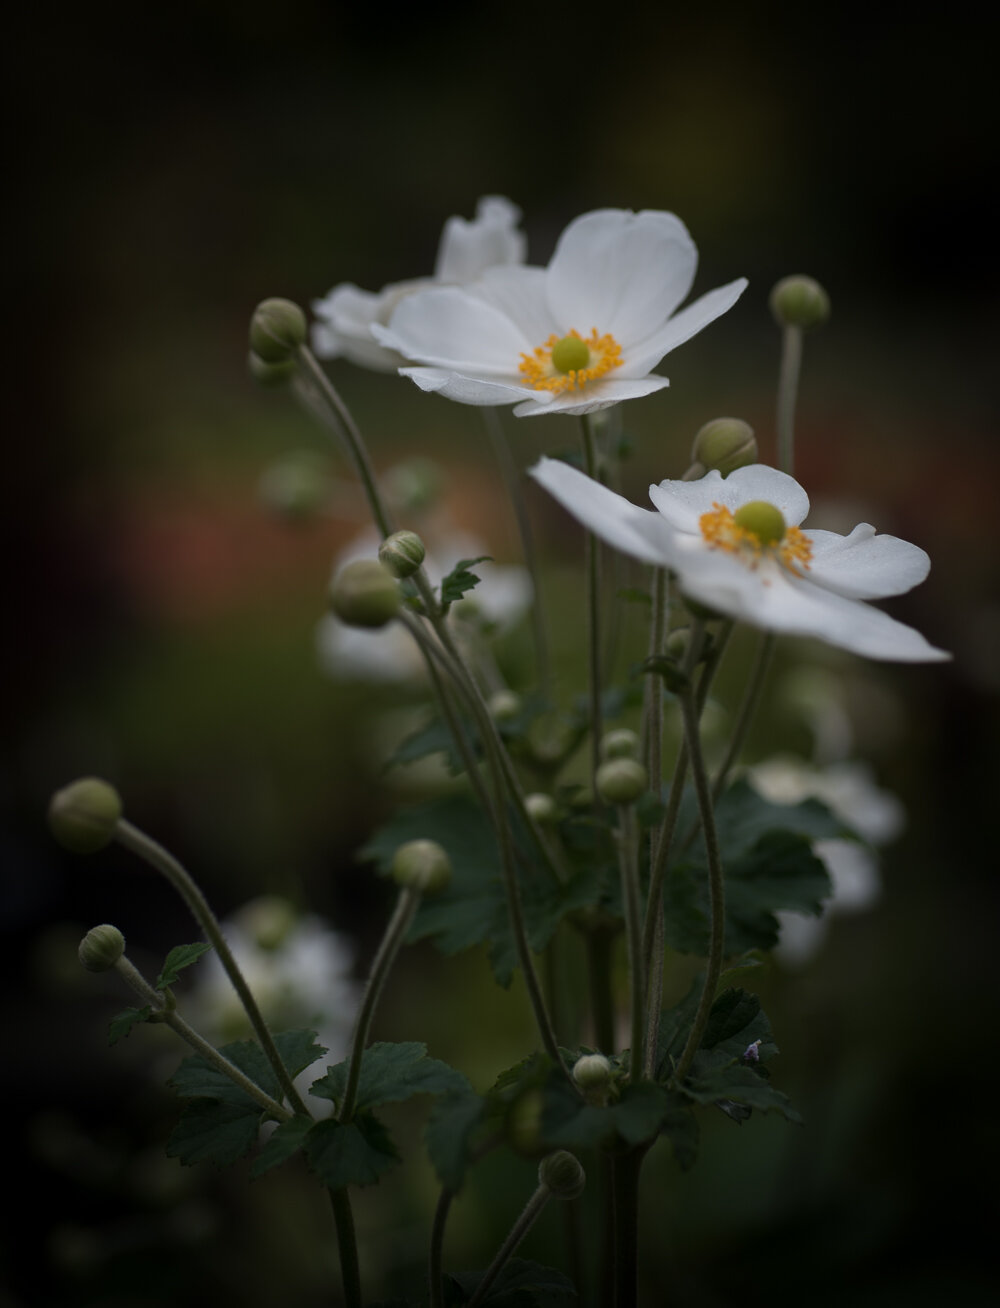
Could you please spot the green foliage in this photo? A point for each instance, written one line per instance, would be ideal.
(520, 1284)
(460, 579)
(210, 1131)
(570, 1123)
(451, 1127)
(357, 1152)
(286, 1140)
(391, 1073)
(123, 1022)
(180, 957)
(432, 738)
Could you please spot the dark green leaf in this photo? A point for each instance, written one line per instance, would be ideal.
(743, 816)
(520, 1284)
(286, 1140)
(298, 1049)
(391, 1073)
(197, 1079)
(568, 1122)
(214, 1132)
(180, 957)
(350, 1153)
(450, 1128)
(433, 737)
(122, 1023)
(740, 1084)
(460, 579)
(680, 1126)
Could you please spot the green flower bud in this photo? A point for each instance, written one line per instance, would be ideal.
(101, 948)
(592, 1073)
(271, 375)
(277, 329)
(422, 865)
(677, 643)
(83, 816)
(364, 594)
(620, 743)
(799, 302)
(562, 1175)
(298, 487)
(504, 705)
(402, 553)
(621, 781)
(724, 444)
(541, 808)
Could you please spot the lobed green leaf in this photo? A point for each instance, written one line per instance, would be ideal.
(210, 1131)
(450, 1129)
(180, 956)
(122, 1023)
(460, 579)
(391, 1073)
(350, 1153)
(286, 1140)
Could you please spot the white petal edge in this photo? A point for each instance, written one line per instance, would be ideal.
(864, 565)
(447, 327)
(597, 395)
(467, 249)
(682, 326)
(464, 389)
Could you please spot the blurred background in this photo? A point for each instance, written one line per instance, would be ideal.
(169, 170)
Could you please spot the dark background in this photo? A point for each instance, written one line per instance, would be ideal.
(167, 170)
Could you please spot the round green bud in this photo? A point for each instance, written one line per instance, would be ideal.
(504, 705)
(297, 488)
(364, 594)
(620, 743)
(621, 780)
(541, 808)
(677, 643)
(277, 329)
(562, 1175)
(762, 520)
(101, 948)
(422, 865)
(402, 553)
(570, 354)
(724, 444)
(592, 1072)
(799, 302)
(271, 375)
(83, 816)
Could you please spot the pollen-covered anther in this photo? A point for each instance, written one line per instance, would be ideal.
(756, 529)
(568, 363)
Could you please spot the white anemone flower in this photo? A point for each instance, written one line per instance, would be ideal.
(579, 335)
(346, 314)
(735, 546)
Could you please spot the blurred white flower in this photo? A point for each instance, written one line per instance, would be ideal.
(850, 792)
(346, 314)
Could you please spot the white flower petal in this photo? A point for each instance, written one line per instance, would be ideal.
(597, 395)
(467, 249)
(683, 502)
(864, 565)
(467, 390)
(854, 871)
(624, 525)
(621, 272)
(450, 328)
(519, 293)
(346, 317)
(681, 327)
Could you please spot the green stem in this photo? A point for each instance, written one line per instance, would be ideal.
(517, 1233)
(406, 906)
(182, 881)
(751, 698)
(716, 885)
(347, 1244)
(348, 430)
(626, 1168)
(602, 1006)
(629, 865)
(512, 481)
(788, 386)
(434, 1271)
(593, 570)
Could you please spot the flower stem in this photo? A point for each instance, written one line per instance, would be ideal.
(751, 698)
(517, 1233)
(134, 978)
(347, 1244)
(182, 881)
(593, 569)
(385, 956)
(602, 1007)
(625, 1170)
(434, 1269)
(628, 853)
(508, 470)
(788, 386)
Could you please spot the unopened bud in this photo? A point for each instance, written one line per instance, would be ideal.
(592, 1073)
(271, 375)
(83, 816)
(504, 705)
(364, 594)
(621, 781)
(620, 743)
(541, 808)
(678, 642)
(422, 865)
(101, 948)
(724, 444)
(277, 329)
(562, 1175)
(402, 553)
(800, 302)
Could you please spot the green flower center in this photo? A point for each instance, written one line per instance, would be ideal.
(570, 354)
(761, 520)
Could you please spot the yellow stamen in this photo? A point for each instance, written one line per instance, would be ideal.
(721, 531)
(543, 373)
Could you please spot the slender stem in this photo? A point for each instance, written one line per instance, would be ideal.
(512, 481)
(788, 386)
(653, 707)
(716, 886)
(629, 864)
(182, 881)
(347, 1244)
(593, 569)
(517, 1233)
(435, 1285)
(654, 994)
(626, 1168)
(385, 956)
(751, 698)
(348, 429)
(602, 1006)
(134, 978)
